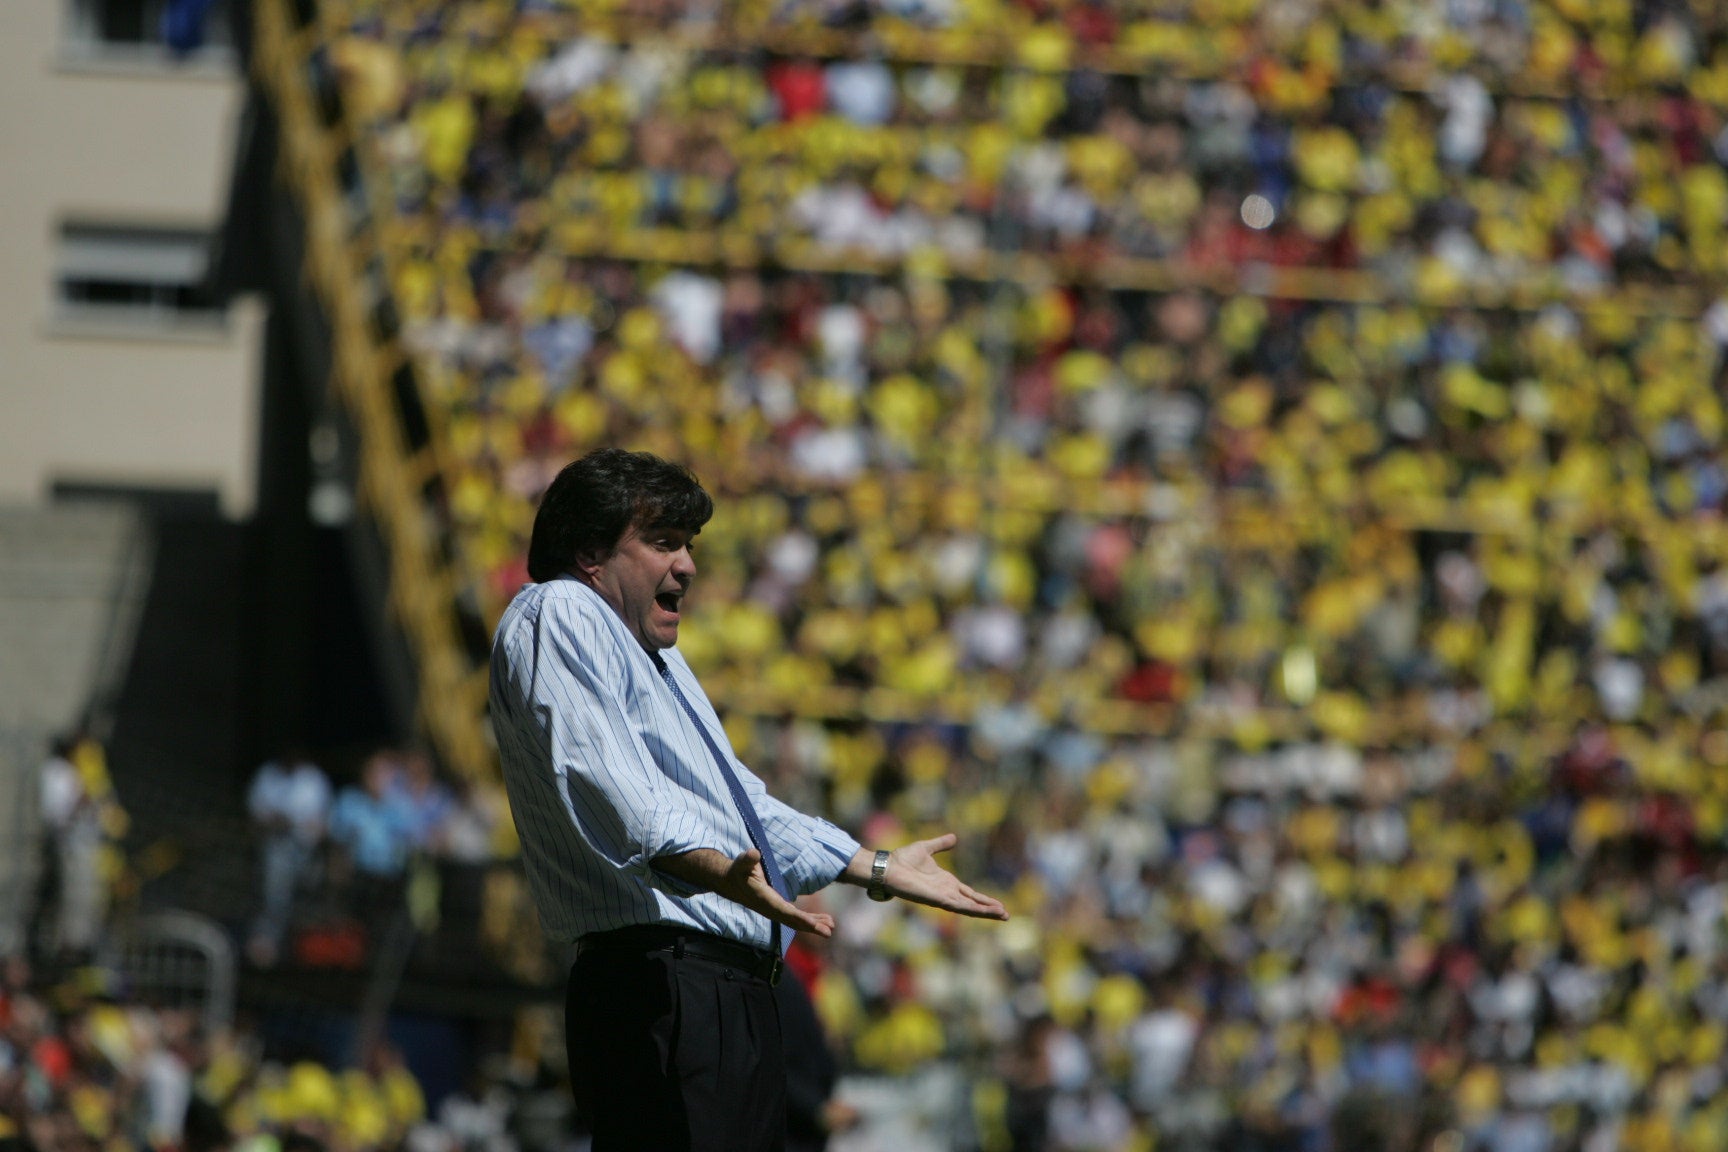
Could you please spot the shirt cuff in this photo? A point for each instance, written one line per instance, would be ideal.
(819, 860)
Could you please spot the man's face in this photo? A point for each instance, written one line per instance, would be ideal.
(644, 580)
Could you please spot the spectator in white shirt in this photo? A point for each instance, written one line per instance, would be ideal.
(70, 898)
(290, 806)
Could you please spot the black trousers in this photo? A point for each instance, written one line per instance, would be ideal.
(675, 1053)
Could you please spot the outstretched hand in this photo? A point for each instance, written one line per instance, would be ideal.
(743, 880)
(746, 883)
(914, 875)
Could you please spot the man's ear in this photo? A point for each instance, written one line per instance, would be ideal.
(587, 564)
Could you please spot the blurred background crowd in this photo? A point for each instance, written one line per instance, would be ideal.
(91, 1065)
(1255, 470)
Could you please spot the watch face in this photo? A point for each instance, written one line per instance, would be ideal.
(878, 888)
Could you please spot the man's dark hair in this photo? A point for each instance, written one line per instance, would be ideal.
(594, 501)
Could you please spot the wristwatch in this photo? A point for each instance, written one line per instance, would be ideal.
(878, 886)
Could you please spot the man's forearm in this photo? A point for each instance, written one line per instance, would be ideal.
(703, 868)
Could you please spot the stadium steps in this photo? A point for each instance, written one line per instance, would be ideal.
(72, 579)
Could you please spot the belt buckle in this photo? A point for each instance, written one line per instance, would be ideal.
(775, 967)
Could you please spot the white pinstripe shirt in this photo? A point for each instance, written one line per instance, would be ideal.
(606, 772)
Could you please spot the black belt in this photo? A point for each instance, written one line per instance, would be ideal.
(757, 962)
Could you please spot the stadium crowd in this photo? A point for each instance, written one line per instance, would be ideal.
(1374, 131)
(398, 837)
(86, 1066)
(97, 1052)
(1255, 470)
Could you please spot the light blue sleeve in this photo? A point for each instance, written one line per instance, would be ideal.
(812, 852)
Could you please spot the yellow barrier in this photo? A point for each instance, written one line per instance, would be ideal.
(422, 587)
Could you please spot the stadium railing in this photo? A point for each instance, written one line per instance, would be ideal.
(395, 477)
(177, 959)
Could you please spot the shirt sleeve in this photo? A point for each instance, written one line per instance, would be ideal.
(616, 797)
(812, 852)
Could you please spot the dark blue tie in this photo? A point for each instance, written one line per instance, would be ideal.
(758, 835)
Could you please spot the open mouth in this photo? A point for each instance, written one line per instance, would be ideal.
(668, 602)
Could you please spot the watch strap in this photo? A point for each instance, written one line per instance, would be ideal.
(878, 886)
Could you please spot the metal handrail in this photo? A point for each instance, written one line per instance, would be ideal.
(156, 960)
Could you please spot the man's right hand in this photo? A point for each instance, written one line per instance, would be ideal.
(743, 880)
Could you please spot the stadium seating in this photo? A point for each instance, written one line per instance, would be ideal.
(1255, 470)
(123, 1069)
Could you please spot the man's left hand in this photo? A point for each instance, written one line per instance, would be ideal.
(914, 875)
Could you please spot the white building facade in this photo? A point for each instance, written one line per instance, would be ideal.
(115, 159)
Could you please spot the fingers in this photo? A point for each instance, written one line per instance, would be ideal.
(972, 903)
(796, 918)
(821, 924)
(751, 888)
(941, 843)
(979, 909)
(939, 889)
(988, 909)
(979, 898)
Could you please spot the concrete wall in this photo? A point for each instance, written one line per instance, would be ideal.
(114, 138)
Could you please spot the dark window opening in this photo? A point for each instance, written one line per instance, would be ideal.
(141, 23)
(134, 272)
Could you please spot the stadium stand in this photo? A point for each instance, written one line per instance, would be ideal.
(1374, 507)
(1255, 470)
(116, 1066)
